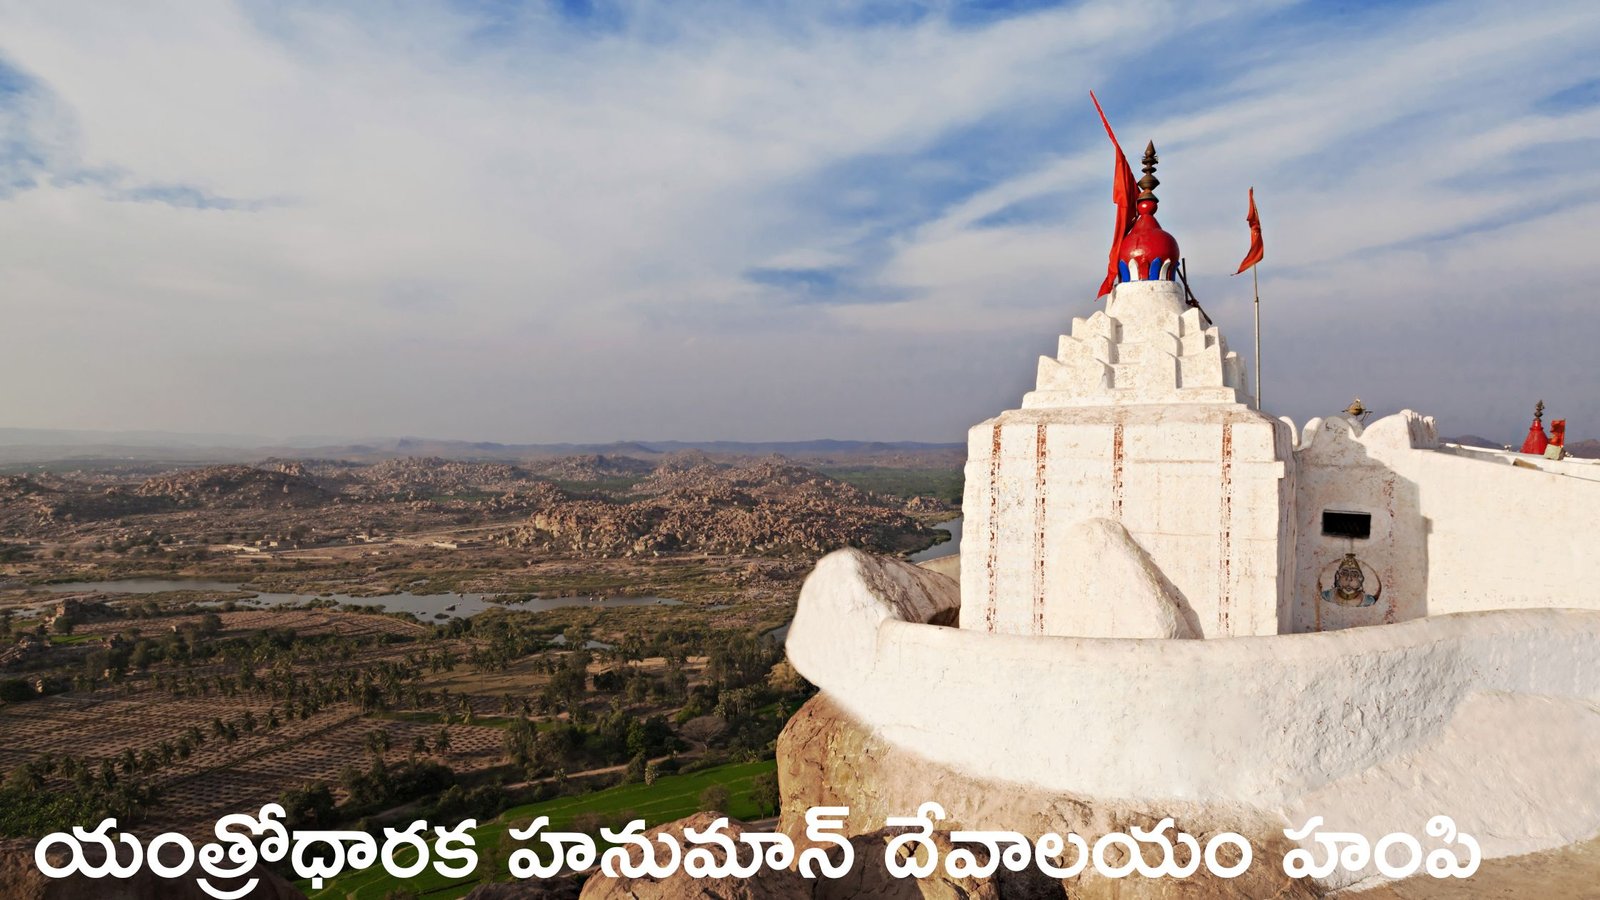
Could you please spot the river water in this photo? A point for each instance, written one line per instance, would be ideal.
(947, 548)
(423, 606)
(427, 606)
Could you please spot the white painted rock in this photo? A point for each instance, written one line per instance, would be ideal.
(1117, 591)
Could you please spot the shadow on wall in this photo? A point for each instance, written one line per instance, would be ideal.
(1361, 537)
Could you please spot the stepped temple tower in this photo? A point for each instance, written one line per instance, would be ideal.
(1140, 430)
(1240, 622)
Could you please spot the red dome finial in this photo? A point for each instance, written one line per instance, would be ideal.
(1149, 253)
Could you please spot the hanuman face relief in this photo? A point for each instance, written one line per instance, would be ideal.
(1348, 579)
(1345, 582)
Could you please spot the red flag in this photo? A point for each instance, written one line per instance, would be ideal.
(1256, 251)
(1123, 190)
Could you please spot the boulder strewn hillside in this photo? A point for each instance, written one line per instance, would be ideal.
(416, 477)
(235, 487)
(593, 467)
(767, 506)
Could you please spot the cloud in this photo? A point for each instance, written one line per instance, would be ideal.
(823, 286)
(573, 220)
(184, 196)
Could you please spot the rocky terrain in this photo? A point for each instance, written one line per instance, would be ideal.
(140, 602)
(593, 467)
(28, 502)
(769, 506)
(414, 478)
(586, 505)
(236, 487)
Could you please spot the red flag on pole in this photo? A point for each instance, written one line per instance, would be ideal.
(1123, 190)
(1256, 250)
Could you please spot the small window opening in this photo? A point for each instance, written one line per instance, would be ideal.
(1353, 525)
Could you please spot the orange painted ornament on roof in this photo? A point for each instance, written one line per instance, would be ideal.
(1536, 442)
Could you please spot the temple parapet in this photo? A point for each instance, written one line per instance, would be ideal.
(1147, 346)
(1404, 430)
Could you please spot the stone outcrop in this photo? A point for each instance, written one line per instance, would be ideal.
(587, 506)
(593, 467)
(235, 486)
(410, 478)
(853, 587)
(1119, 592)
(765, 507)
(827, 758)
(28, 502)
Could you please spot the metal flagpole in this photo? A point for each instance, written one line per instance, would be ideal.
(1256, 284)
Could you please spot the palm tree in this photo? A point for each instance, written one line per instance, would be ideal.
(378, 742)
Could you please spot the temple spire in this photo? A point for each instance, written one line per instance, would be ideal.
(1147, 252)
(1149, 182)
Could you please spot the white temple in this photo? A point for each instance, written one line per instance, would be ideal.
(1175, 579)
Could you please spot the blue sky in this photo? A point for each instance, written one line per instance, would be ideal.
(601, 220)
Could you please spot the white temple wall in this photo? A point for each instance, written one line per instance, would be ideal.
(1450, 531)
(1308, 724)
(1205, 708)
(1339, 472)
(1501, 537)
(1200, 488)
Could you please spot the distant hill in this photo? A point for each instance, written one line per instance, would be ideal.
(1587, 449)
(94, 449)
(1473, 440)
(64, 437)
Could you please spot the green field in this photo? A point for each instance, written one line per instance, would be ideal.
(671, 797)
(941, 484)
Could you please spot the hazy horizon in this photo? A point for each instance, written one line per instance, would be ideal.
(40, 436)
(17, 439)
(568, 221)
